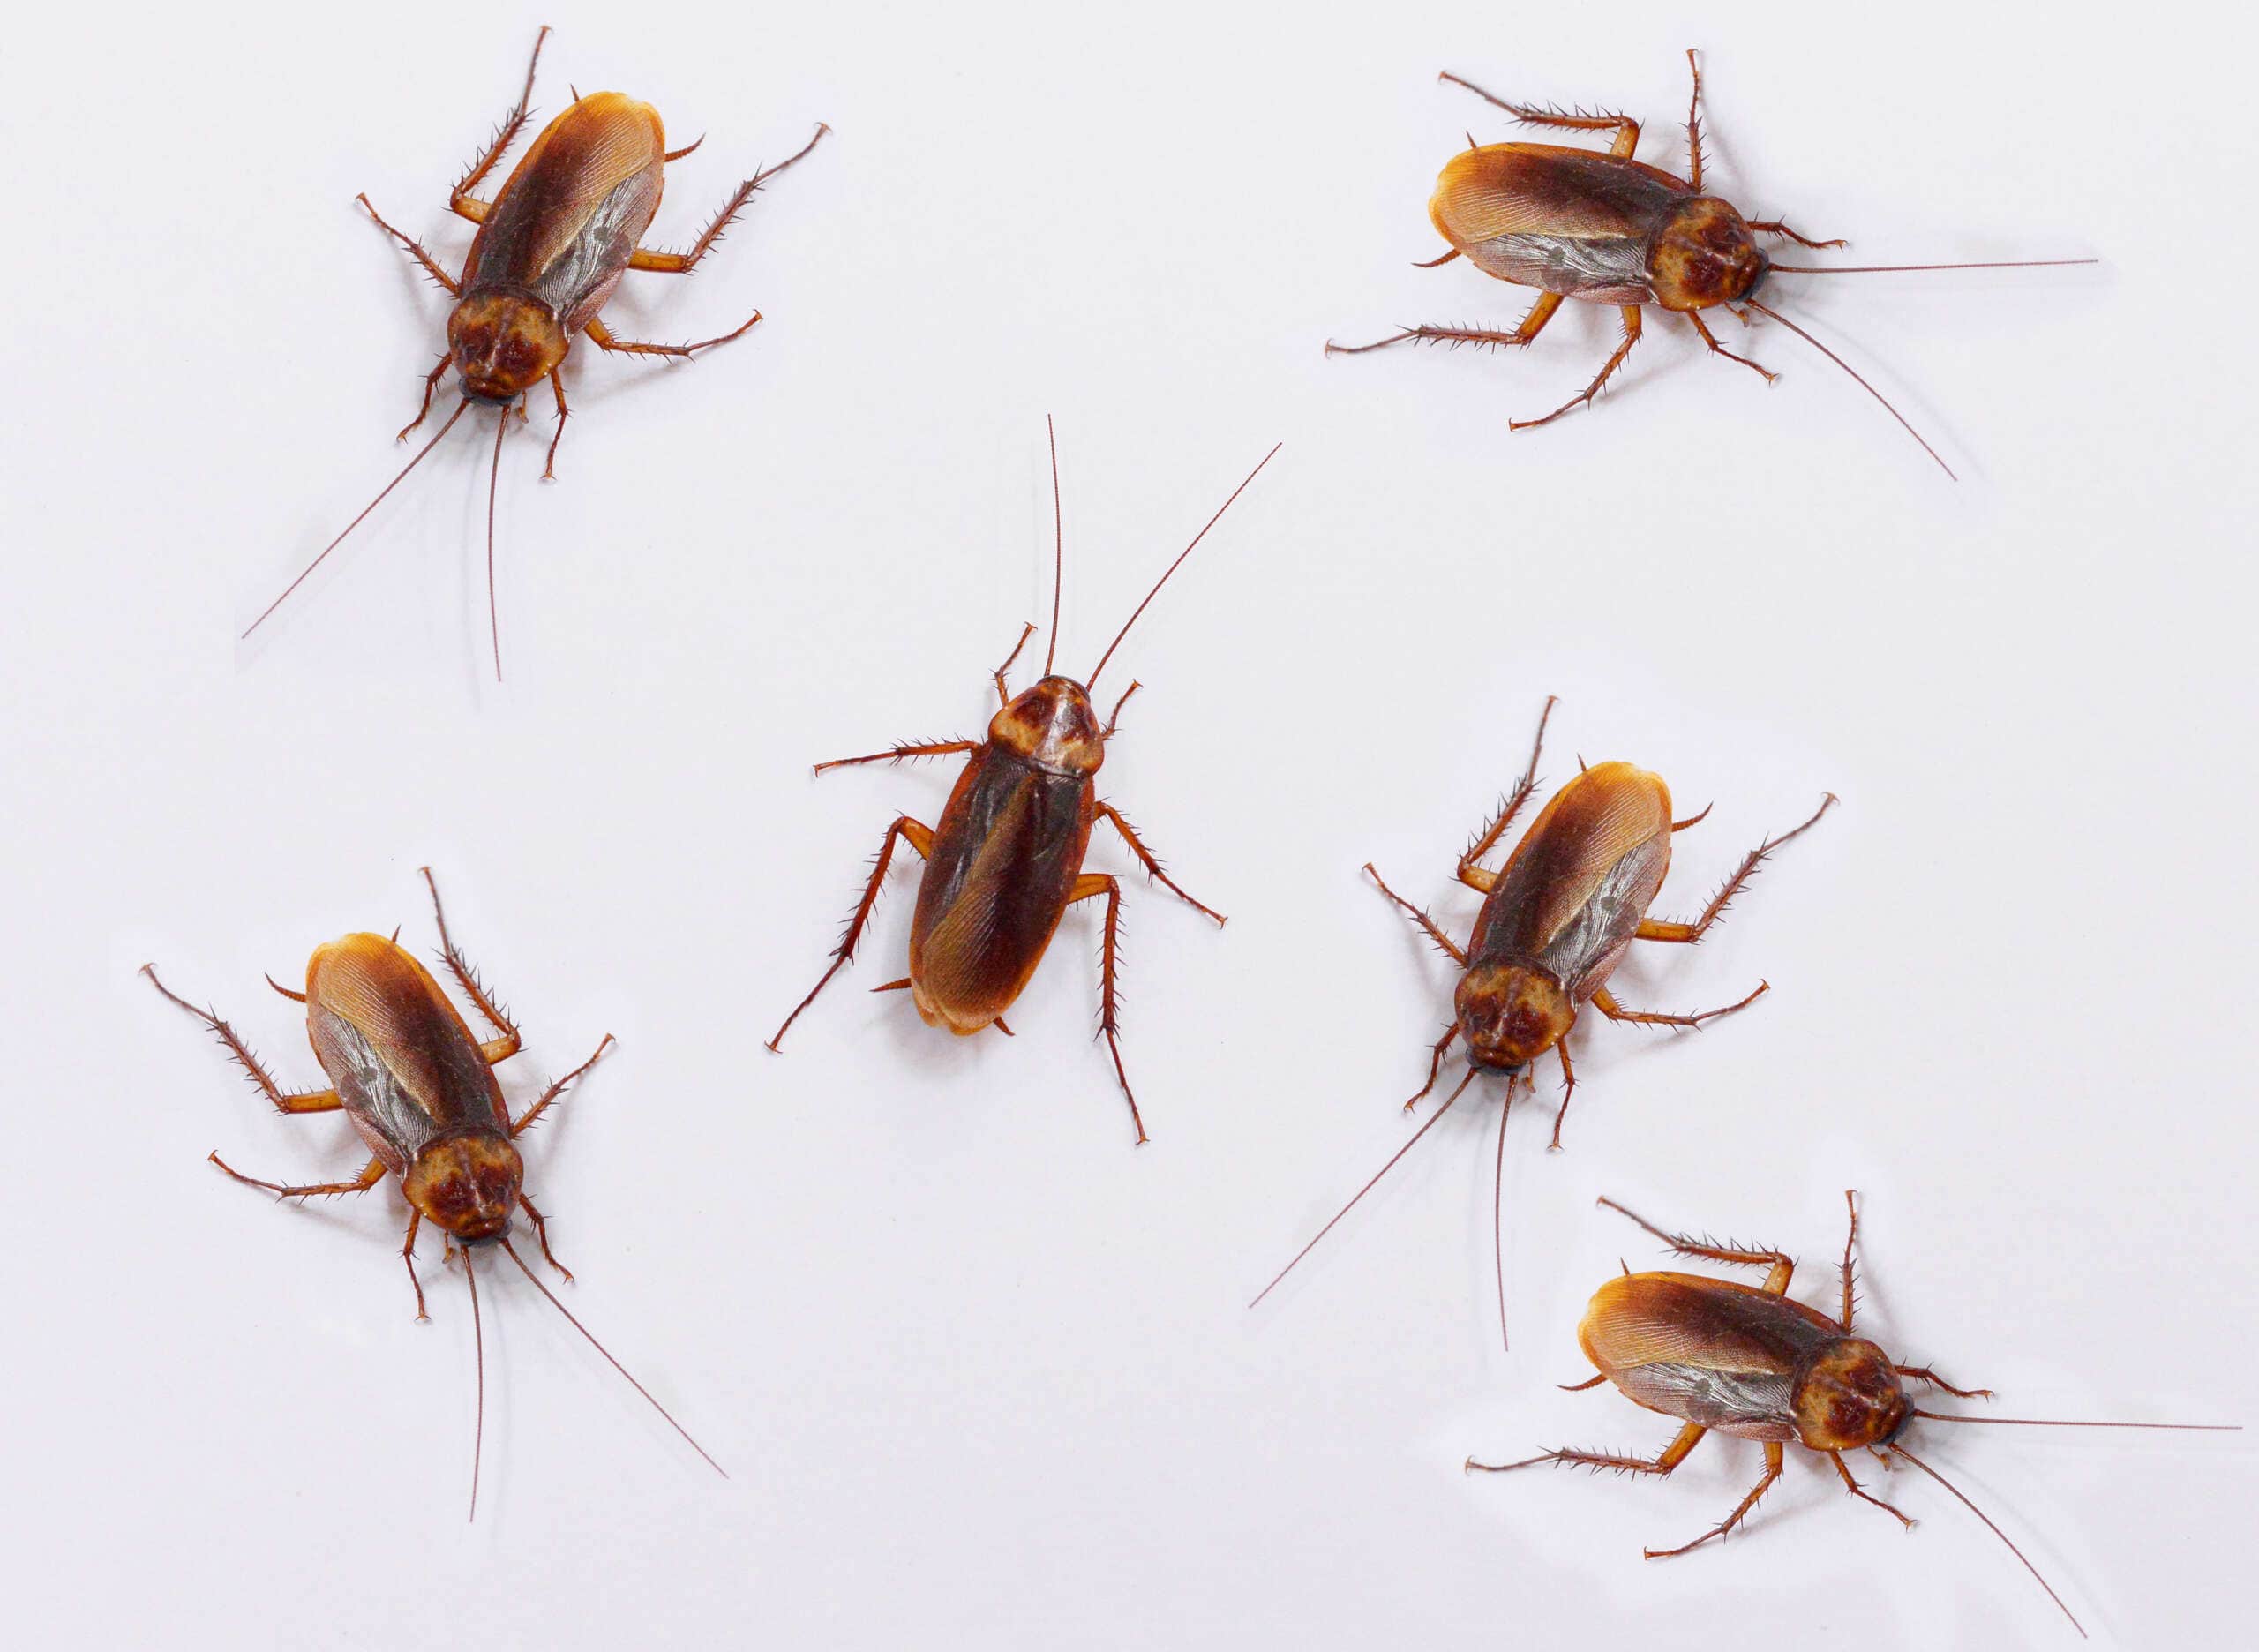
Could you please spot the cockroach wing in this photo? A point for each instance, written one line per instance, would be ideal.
(1565, 220)
(1575, 890)
(1705, 1350)
(574, 208)
(1006, 854)
(403, 1063)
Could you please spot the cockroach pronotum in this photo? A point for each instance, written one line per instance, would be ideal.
(1608, 229)
(1007, 860)
(1750, 1362)
(1557, 920)
(552, 246)
(420, 1089)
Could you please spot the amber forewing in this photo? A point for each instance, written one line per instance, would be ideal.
(1705, 1350)
(1582, 877)
(1566, 221)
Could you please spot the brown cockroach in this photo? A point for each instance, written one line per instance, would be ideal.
(1556, 920)
(1007, 860)
(1608, 229)
(551, 249)
(1750, 1362)
(419, 1088)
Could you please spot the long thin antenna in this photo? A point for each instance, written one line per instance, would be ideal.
(493, 482)
(357, 522)
(614, 1364)
(1369, 1186)
(1172, 567)
(1864, 384)
(1879, 269)
(1058, 547)
(478, 1341)
(1497, 1218)
(1997, 1532)
(2026, 1422)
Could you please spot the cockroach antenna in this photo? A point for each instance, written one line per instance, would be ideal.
(478, 1363)
(1058, 546)
(493, 482)
(1861, 381)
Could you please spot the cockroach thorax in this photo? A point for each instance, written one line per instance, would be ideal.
(1053, 726)
(465, 1183)
(1850, 1397)
(1511, 1014)
(503, 344)
(1705, 254)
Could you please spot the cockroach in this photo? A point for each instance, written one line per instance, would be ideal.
(419, 1088)
(551, 249)
(1608, 229)
(1007, 860)
(1751, 1362)
(1556, 920)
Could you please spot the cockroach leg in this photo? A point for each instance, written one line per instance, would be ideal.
(1784, 1266)
(1923, 1373)
(1654, 929)
(407, 1255)
(284, 1100)
(1717, 348)
(1773, 226)
(1003, 693)
(431, 388)
(1607, 371)
(1861, 1492)
(1086, 887)
(557, 1089)
(1434, 1065)
(371, 1173)
(1115, 720)
(1776, 1456)
(1626, 129)
(1473, 876)
(1851, 1276)
(903, 753)
(549, 465)
(1695, 127)
(1529, 328)
(1605, 1003)
(541, 1233)
(920, 837)
(1152, 862)
(1568, 1089)
(493, 1050)
(415, 249)
(1662, 1463)
(1451, 948)
(601, 335)
(683, 263)
(505, 135)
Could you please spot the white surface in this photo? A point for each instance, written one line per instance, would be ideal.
(981, 1372)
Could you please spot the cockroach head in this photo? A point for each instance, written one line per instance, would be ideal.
(1511, 1014)
(1705, 254)
(1850, 1397)
(502, 345)
(1053, 726)
(467, 1182)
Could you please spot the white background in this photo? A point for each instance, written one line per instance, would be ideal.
(979, 1369)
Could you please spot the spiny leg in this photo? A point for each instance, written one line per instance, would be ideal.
(1434, 1065)
(1861, 1492)
(1152, 862)
(1694, 125)
(431, 388)
(1773, 226)
(1782, 1265)
(556, 1090)
(1088, 885)
(407, 1255)
(556, 383)
(1529, 328)
(505, 135)
(1717, 348)
(1607, 371)
(541, 1233)
(415, 249)
(1626, 129)
(493, 1050)
(1655, 929)
(1662, 1463)
(1568, 1089)
(1451, 948)
(1003, 693)
(683, 263)
(1605, 1003)
(1473, 876)
(919, 837)
(284, 1100)
(1923, 1373)
(903, 753)
(371, 1173)
(601, 335)
(1775, 1456)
